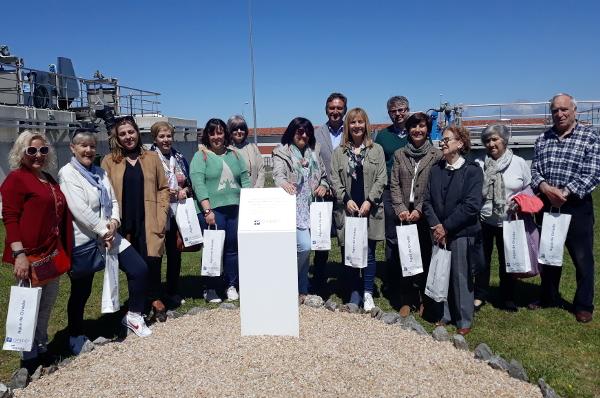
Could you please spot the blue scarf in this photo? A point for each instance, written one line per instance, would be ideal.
(94, 177)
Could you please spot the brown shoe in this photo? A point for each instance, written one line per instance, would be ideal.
(583, 316)
(160, 311)
(463, 331)
(405, 311)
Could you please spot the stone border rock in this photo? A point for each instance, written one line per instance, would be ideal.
(482, 352)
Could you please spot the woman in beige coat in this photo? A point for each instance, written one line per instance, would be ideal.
(254, 162)
(142, 191)
(408, 183)
(359, 175)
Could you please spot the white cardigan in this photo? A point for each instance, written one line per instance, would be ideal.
(84, 202)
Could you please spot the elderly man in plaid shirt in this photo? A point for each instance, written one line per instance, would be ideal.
(566, 169)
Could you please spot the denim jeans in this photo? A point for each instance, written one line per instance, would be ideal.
(303, 249)
(226, 218)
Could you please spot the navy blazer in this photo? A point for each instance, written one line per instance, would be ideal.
(454, 199)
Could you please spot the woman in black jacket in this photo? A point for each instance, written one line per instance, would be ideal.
(452, 209)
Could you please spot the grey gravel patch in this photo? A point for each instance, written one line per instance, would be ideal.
(101, 341)
(483, 352)
(37, 374)
(64, 362)
(440, 334)
(390, 318)
(19, 379)
(331, 305)
(516, 370)
(5, 392)
(227, 306)
(499, 363)
(88, 346)
(196, 310)
(172, 314)
(547, 391)
(460, 343)
(313, 301)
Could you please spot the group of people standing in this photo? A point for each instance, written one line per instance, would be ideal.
(391, 177)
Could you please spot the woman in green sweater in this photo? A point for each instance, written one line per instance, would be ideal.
(218, 173)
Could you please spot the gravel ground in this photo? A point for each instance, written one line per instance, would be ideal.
(337, 354)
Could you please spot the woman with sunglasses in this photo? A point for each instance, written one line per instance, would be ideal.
(218, 174)
(452, 208)
(142, 191)
(38, 223)
(180, 187)
(95, 209)
(408, 181)
(299, 170)
(358, 174)
(254, 160)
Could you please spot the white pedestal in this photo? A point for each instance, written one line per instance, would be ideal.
(268, 263)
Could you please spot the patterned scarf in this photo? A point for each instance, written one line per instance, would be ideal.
(417, 153)
(94, 175)
(355, 160)
(493, 182)
(305, 166)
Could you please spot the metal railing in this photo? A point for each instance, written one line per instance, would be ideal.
(20, 86)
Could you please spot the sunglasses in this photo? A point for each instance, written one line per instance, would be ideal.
(32, 151)
(128, 118)
(238, 131)
(301, 131)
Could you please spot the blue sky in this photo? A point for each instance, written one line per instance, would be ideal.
(196, 53)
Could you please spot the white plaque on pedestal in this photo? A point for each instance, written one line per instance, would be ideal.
(268, 263)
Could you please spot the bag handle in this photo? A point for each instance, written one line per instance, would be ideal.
(21, 282)
(216, 226)
(557, 208)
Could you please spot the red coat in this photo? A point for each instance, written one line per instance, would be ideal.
(30, 216)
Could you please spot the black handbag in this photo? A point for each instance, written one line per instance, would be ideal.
(86, 259)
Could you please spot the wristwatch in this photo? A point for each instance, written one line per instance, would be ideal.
(206, 212)
(16, 253)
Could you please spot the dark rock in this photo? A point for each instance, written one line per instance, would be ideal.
(547, 391)
(406, 321)
(497, 362)
(173, 314)
(37, 374)
(313, 301)
(440, 334)
(49, 370)
(228, 306)
(416, 327)
(19, 379)
(88, 346)
(196, 310)
(460, 343)
(390, 317)
(67, 361)
(352, 308)
(331, 305)
(101, 341)
(516, 370)
(483, 352)
(5, 392)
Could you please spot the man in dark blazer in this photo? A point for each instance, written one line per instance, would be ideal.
(328, 136)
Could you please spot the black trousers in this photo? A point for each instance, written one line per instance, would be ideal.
(491, 233)
(134, 267)
(154, 287)
(392, 271)
(173, 259)
(580, 244)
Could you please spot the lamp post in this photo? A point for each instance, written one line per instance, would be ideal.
(251, 39)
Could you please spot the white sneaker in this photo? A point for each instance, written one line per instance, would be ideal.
(76, 343)
(136, 324)
(232, 294)
(368, 303)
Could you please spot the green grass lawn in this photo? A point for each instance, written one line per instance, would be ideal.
(549, 342)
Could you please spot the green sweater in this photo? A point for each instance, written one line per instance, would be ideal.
(390, 142)
(218, 178)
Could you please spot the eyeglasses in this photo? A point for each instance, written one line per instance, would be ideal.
(301, 131)
(238, 131)
(397, 110)
(32, 151)
(446, 140)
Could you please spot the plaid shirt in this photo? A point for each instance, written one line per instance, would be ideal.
(571, 162)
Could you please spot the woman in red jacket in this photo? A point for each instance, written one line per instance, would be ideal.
(38, 223)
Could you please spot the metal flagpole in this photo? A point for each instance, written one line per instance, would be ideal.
(252, 69)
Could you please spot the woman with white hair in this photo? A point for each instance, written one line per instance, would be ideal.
(38, 227)
(505, 175)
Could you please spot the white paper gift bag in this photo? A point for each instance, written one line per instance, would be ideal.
(438, 278)
(212, 253)
(110, 285)
(188, 224)
(320, 225)
(409, 250)
(516, 248)
(21, 319)
(552, 240)
(356, 242)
